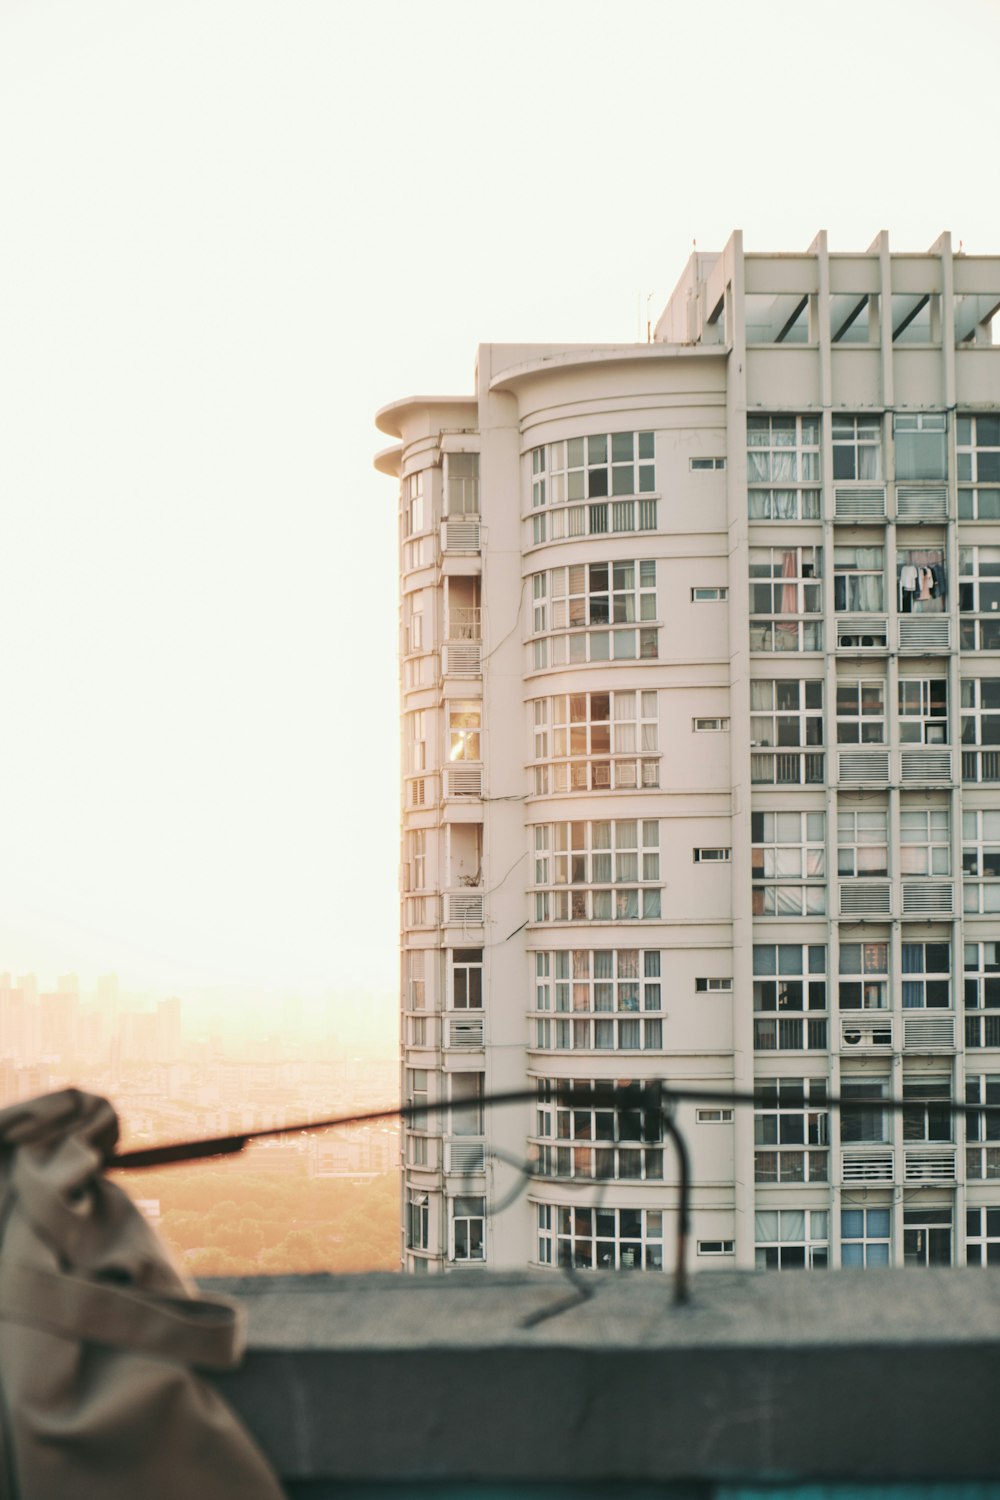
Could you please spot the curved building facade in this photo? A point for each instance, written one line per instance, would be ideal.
(699, 689)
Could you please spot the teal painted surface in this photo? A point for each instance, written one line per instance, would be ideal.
(627, 1491)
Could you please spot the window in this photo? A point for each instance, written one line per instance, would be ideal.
(605, 999)
(927, 1236)
(573, 1139)
(792, 1239)
(981, 726)
(864, 976)
(785, 1116)
(417, 1220)
(415, 735)
(865, 1236)
(596, 742)
(417, 840)
(858, 579)
(982, 1236)
(709, 726)
(861, 712)
(416, 994)
(464, 721)
(601, 872)
(417, 1097)
(864, 1123)
(783, 468)
(461, 484)
(926, 975)
(981, 861)
(414, 606)
(923, 710)
(925, 840)
(982, 994)
(789, 997)
(418, 1150)
(784, 584)
(466, 1113)
(713, 986)
(714, 1116)
(857, 447)
(467, 978)
(706, 463)
(413, 504)
(862, 842)
(982, 1129)
(468, 1228)
(922, 580)
(716, 1247)
(978, 443)
(979, 594)
(920, 440)
(709, 595)
(580, 604)
(788, 851)
(625, 1239)
(599, 472)
(712, 856)
(926, 1107)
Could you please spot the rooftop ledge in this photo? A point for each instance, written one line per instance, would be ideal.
(528, 1379)
(572, 355)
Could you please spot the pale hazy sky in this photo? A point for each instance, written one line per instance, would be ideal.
(229, 231)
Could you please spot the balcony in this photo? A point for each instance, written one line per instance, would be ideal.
(930, 1163)
(928, 898)
(859, 502)
(929, 1031)
(921, 502)
(465, 1029)
(865, 898)
(866, 1031)
(463, 908)
(925, 766)
(925, 635)
(866, 1164)
(385, 1384)
(863, 768)
(787, 767)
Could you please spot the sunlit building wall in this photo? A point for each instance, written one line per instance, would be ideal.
(700, 657)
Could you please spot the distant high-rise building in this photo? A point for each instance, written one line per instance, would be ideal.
(700, 649)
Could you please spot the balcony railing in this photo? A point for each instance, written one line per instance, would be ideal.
(865, 1032)
(787, 767)
(930, 1031)
(981, 765)
(464, 623)
(983, 1030)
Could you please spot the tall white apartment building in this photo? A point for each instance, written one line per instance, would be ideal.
(701, 773)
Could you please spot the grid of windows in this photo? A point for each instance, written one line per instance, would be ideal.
(789, 997)
(605, 999)
(792, 1239)
(982, 1236)
(981, 861)
(783, 468)
(978, 445)
(598, 872)
(926, 976)
(864, 976)
(857, 447)
(926, 1107)
(574, 609)
(982, 994)
(788, 863)
(587, 468)
(862, 842)
(982, 1129)
(461, 484)
(596, 741)
(863, 1123)
(861, 712)
(858, 579)
(865, 1236)
(920, 441)
(979, 597)
(785, 712)
(573, 1139)
(785, 589)
(623, 1239)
